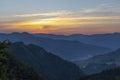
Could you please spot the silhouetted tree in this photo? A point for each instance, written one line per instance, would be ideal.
(4, 44)
(13, 69)
(118, 78)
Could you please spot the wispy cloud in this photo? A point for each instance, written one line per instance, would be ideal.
(57, 13)
(103, 10)
(102, 17)
(106, 9)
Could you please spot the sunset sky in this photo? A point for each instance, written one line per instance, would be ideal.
(60, 16)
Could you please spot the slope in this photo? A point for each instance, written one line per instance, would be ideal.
(13, 69)
(100, 62)
(50, 66)
(112, 74)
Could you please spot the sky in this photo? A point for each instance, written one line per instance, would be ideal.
(60, 16)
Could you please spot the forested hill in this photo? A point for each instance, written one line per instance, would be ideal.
(13, 69)
(51, 67)
(113, 74)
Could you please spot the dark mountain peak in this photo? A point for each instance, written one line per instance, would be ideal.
(118, 33)
(13, 33)
(37, 48)
(19, 33)
(77, 35)
(50, 66)
(49, 34)
(25, 33)
(114, 33)
(118, 50)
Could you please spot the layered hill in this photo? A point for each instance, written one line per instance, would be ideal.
(101, 62)
(110, 40)
(112, 74)
(50, 66)
(70, 50)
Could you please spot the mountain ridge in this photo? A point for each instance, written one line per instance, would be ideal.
(103, 62)
(110, 40)
(66, 49)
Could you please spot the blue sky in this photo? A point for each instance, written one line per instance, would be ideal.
(94, 14)
(26, 6)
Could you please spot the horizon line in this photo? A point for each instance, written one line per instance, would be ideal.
(61, 34)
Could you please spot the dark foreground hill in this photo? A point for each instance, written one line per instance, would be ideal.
(113, 74)
(13, 69)
(50, 66)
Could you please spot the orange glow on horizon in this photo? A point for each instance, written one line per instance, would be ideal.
(67, 25)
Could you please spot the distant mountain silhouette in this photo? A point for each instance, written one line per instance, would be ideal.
(101, 62)
(110, 40)
(50, 66)
(70, 50)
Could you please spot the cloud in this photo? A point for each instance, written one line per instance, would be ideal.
(45, 14)
(57, 13)
(103, 11)
(106, 9)
(88, 20)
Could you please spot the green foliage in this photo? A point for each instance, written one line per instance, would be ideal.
(118, 78)
(112, 74)
(13, 69)
(4, 44)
